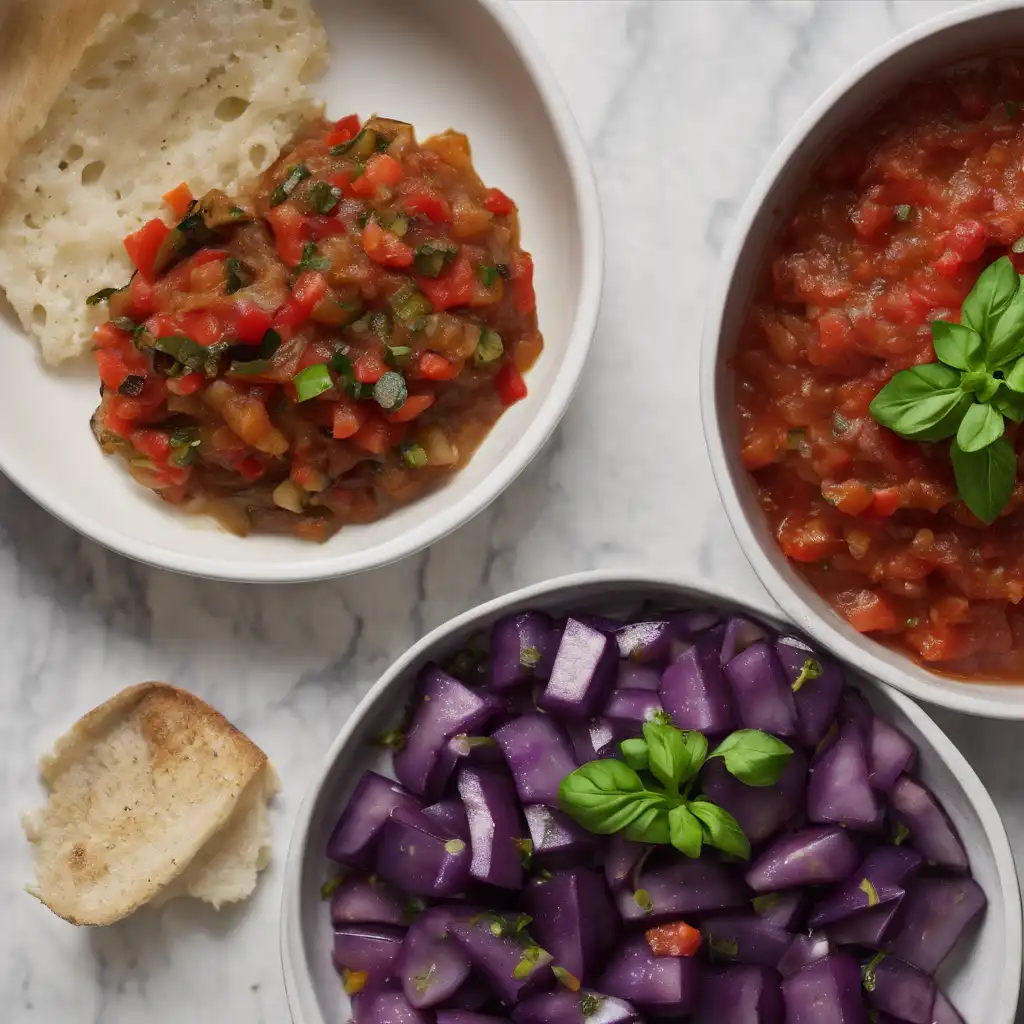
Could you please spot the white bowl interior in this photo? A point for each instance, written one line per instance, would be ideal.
(982, 980)
(449, 63)
(842, 107)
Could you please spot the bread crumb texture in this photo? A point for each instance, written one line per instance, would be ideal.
(151, 788)
(202, 91)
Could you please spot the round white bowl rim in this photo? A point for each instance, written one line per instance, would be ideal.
(296, 970)
(860, 651)
(498, 479)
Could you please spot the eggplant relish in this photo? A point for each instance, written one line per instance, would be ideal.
(325, 347)
(683, 816)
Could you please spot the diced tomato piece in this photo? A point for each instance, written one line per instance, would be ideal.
(202, 327)
(142, 298)
(108, 336)
(509, 384)
(948, 264)
(111, 366)
(968, 239)
(810, 541)
(869, 611)
(310, 288)
(205, 256)
(347, 420)
(498, 203)
(939, 642)
(421, 198)
(251, 467)
(154, 444)
(675, 939)
(128, 409)
(325, 227)
(179, 199)
(380, 170)
(345, 129)
(413, 407)
(188, 384)
(453, 288)
(849, 496)
(385, 247)
(248, 322)
(885, 501)
(142, 246)
(117, 424)
(522, 283)
(436, 367)
(160, 325)
(374, 436)
(290, 231)
(369, 367)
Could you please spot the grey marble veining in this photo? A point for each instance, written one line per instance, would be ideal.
(681, 103)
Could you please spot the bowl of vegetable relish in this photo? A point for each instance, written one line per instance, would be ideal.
(847, 368)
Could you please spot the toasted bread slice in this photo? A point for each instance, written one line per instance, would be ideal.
(138, 787)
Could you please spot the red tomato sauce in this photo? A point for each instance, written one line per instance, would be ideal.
(892, 231)
(326, 346)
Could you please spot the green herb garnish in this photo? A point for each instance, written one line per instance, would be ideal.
(489, 348)
(869, 890)
(331, 886)
(590, 1004)
(528, 657)
(132, 385)
(430, 258)
(487, 273)
(292, 180)
(413, 455)
(312, 381)
(311, 260)
(530, 959)
(390, 391)
(101, 296)
(323, 197)
(236, 275)
(811, 669)
(903, 212)
(867, 972)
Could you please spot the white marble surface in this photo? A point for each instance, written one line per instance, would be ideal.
(681, 102)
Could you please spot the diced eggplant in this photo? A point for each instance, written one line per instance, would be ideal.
(644, 643)
(446, 708)
(894, 986)
(672, 886)
(838, 790)
(496, 826)
(870, 928)
(661, 985)
(592, 738)
(854, 709)
(826, 991)
(472, 995)
(621, 858)
(463, 749)
(517, 647)
(817, 698)
(392, 1008)
(574, 918)
(583, 673)
(740, 633)
(804, 950)
(495, 949)
(538, 754)
(583, 1007)
(628, 710)
(690, 624)
(745, 939)
(355, 837)
(370, 949)
(433, 966)
(782, 909)
(761, 811)
(451, 814)
(740, 995)
(694, 690)
(637, 677)
(421, 856)
(879, 880)
(558, 841)
(366, 900)
(465, 1017)
(813, 856)
(761, 696)
(934, 914)
(931, 833)
(944, 1012)
(890, 754)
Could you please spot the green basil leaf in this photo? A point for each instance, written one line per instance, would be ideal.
(667, 755)
(650, 825)
(685, 831)
(989, 298)
(605, 796)
(985, 478)
(697, 747)
(918, 400)
(980, 427)
(1006, 338)
(957, 345)
(1015, 378)
(635, 753)
(754, 757)
(721, 829)
(1010, 404)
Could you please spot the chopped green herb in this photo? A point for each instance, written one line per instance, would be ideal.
(413, 456)
(390, 739)
(769, 901)
(295, 176)
(867, 973)
(236, 275)
(101, 296)
(331, 886)
(902, 833)
(840, 424)
(811, 669)
(1018, 246)
(312, 381)
(184, 442)
(398, 224)
(528, 657)
(390, 391)
(590, 1004)
(268, 348)
(489, 349)
(903, 212)
(236, 211)
(722, 949)
(869, 890)
(487, 273)
(125, 323)
(544, 875)
(422, 981)
(410, 303)
(323, 197)
(430, 258)
(311, 260)
(523, 969)
(190, 354)
(413, 908)
(642, 898)
(454, 846)
(132, 385)
(362, 146)
(397, 356)
(382, 142)
(566, 978)
(525, 849)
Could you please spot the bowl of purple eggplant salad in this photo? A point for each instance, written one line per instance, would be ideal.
(612, 800)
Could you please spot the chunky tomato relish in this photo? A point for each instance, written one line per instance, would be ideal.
(325, 347)
(892, 232)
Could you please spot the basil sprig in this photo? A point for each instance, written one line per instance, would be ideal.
(978, 381)
(647, 796)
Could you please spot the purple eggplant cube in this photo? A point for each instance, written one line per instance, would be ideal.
(592, 738)
(901, 989)
(819, 689)
(745, 939)
(762, 697)
(812, 856)
(673, 886)
(660, 985)
(369, 949)
(583, 673)
(878, 881)
(740, 995)
(496, 827)
(929, 831)
(627, 711)
(565, 1007)
(355, 837)
(694, 690)
(433, 966)
(839, 791)
(539, 755)
(517, 648)
(890, 754)
(558, 841)
(827, 990)
(391, 1008)
(420, 856)
(366, 900)
(644, 642)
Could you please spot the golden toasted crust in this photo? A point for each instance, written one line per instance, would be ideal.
(41, 43)
(137, 788)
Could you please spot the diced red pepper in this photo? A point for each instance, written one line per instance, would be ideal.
(250, 467)
(207, 256)
(675, 939)
(161, 325)
(325, 227)
(522, 283)
(291, 231)
(248, 322)
(188, 384)
(143, 245)
(117, 424)
(420, 198)
(385, 247)
(111, 367)
(413, 406)
(310, 288)
(885, 501)
(202, 327)
(179, 199)
(108, 336)
(369, 367)
(347, 420)
(345, 129)
(154, 444)
(380, 170)
(435, 367)
(374, 436)
(498, 203)
(869, 611)
(142, 298)
(453, 288)
(509, 384)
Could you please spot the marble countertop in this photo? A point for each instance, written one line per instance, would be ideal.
(705, 88)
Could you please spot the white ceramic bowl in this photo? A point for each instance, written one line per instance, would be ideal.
(450, 63)
(965, 32)
(984, 980)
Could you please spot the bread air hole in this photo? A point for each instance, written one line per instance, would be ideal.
(91, 173)
(257, 154)
(231, 108)
(75, 152)
(141, 23)
(288, 13)
(39, 316)
(97, 83)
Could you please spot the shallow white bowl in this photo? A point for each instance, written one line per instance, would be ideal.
(984, 979)
(467, 64)
(963, 33)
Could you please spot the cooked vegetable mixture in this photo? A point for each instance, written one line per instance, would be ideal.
(326, 347)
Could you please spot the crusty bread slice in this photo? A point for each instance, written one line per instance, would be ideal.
(138, 787)
(202, 91)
